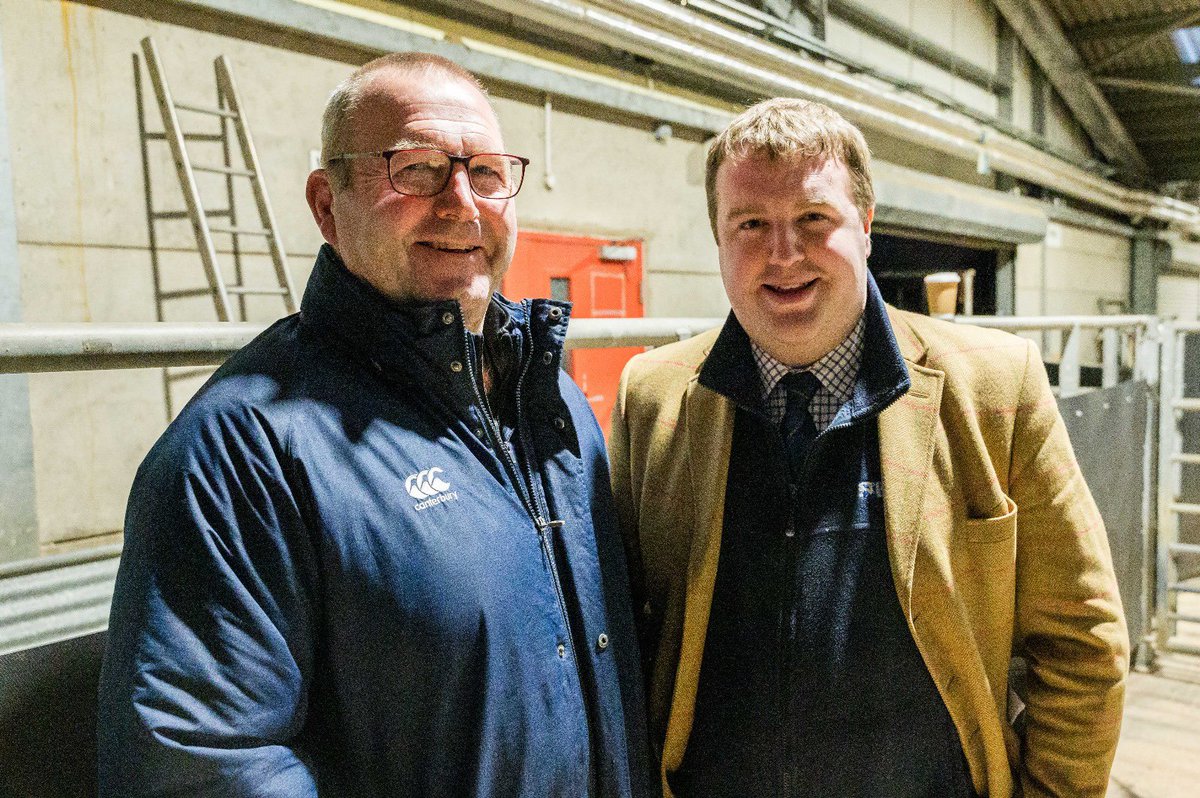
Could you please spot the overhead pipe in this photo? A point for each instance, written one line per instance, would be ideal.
(723, 54)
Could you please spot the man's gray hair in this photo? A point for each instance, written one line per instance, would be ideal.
(337, 121)
(786, 127)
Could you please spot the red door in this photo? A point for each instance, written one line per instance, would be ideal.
(603, 279)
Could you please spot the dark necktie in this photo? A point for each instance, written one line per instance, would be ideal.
(798, 427)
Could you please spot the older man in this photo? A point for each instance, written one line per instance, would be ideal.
(376, 555)
(843, 519)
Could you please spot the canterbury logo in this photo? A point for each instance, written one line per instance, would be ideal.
(425, 484)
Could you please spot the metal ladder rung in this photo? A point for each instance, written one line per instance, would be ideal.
(223, 170)
(238, 289)
(1184, 509)
(188, 136)
(1183, 548)
(250, 231)
(184, 293)
(186, 215)
(1189, 404)
(1187, 458)
(206, 109)
(1179, 616)
(1180, 587)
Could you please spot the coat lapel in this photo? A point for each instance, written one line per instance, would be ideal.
(709, 424)
(906, 445)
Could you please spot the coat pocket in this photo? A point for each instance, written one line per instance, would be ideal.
(993, 530)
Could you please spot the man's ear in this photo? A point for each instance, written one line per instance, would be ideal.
(319, 194)
(867, 227)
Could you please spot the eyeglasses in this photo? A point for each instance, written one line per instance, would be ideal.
(425, 172)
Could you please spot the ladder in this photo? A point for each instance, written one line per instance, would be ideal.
(228, 112)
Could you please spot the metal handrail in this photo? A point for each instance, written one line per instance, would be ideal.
(36, 347)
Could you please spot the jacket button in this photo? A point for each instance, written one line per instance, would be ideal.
(602, 641)
(559, 423)
(562, 651)
(447, 318)
(455, 366)
(547, 358)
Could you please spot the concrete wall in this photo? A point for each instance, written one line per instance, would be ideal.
(83, 240)
(1074, 272)
(83, 236)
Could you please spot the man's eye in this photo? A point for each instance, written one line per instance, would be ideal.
(814, 216)
(750, 224)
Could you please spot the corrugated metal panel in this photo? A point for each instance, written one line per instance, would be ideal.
(56, 598)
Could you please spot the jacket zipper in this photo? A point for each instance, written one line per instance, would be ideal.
(531, 499)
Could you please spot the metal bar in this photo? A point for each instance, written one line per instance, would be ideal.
(239, 289)
(1180, 587)
(204, 109)
(1058, 322)
(1169, 474)
(1189, 458)
(1155, 86)
(1110, 353)
(187, 180)
(1181, 647)
(1184, 508)
(223, 170)
(1179, 616)
(240, 231)
(83, 347)
(1187, 405)
(250, 156)
(1069, 365)
(155, 136)
(1185, 548)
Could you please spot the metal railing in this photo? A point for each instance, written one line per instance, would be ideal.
(1173, 506)
(1126, 345)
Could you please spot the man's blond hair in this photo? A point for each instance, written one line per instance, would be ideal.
(786, 127)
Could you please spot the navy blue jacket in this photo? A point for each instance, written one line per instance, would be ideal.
(340, 578)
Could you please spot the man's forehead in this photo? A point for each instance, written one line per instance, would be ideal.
(815, 176)
(423, 107)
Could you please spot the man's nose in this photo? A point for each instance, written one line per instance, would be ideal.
(786, 245)
(457, 201)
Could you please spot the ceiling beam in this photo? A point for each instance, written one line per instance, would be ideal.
(1038, 29)
(1172, 73)
(1152, 25)
(1141, 40)
(1155, 86)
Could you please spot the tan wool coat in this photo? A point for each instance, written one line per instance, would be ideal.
(996, 548)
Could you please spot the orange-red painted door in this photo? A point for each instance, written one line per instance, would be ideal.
(603, 279)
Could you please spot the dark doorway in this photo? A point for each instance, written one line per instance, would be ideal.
(900, 264)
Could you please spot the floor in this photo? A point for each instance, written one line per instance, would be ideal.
(1159, 752)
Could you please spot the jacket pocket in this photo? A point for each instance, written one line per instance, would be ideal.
(992, 530)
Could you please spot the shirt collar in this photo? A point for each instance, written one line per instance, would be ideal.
(836, 371)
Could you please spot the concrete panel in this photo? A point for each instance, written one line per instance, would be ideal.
(700, 295)
(78, 170)
(91, 429)
(614, 180)
(18, 518)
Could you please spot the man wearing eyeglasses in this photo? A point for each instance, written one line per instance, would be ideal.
(376, 555)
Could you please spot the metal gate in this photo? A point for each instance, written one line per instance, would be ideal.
(1178, 562)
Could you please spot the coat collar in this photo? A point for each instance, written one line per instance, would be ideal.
(730, 369)
(386, 335)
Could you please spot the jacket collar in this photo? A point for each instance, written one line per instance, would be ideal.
(730, 369)
(387, 334)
